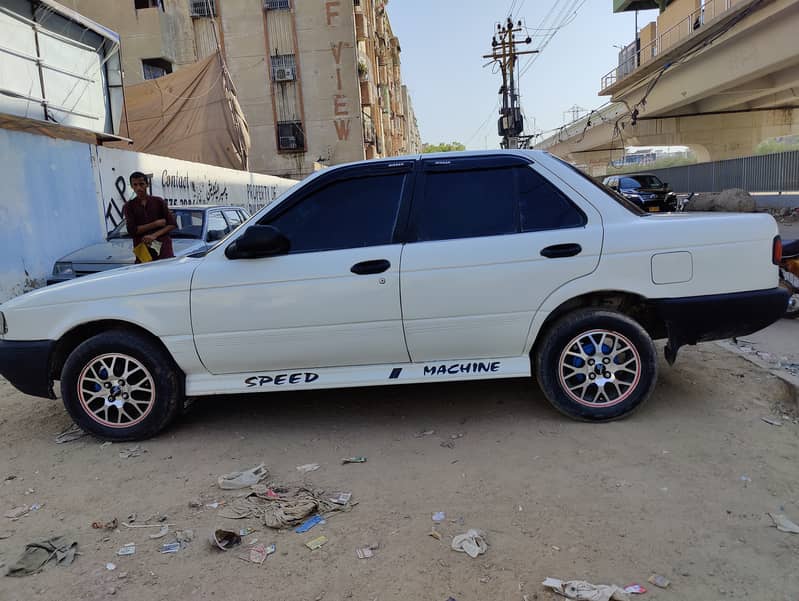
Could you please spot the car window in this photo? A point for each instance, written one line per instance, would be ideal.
(348, 213)
(542, 206)
(189, 224)
(217, 226)
(628, 182)
(233, 218)
(630, 206)
(465, 204)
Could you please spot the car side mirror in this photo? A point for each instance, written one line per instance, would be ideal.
(258, 241)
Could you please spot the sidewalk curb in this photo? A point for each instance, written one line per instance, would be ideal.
(791, 381)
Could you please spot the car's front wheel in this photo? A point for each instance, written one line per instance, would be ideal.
(120, 385)
(596, 365)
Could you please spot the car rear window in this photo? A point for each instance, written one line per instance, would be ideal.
(630, 206)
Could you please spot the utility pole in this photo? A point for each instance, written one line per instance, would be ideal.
(504, 51)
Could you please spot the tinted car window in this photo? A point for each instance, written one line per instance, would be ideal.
(542, 206)
(348, 213)
(641, 181)
(465, 204)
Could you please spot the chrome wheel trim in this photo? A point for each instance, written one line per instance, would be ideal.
(116, 390)
(599, 368)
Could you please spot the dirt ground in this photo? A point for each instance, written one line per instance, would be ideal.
(680, 489)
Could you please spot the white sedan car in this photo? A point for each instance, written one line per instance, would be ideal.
(428, 268)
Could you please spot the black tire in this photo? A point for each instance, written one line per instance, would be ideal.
(145, 403)
(568, 341)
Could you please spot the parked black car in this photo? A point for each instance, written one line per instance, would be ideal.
(645, 190)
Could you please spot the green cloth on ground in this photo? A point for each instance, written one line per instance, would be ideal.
(38, 554)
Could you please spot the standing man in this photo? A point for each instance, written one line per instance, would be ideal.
(149, 219)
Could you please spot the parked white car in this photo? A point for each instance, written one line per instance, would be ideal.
(429, 268)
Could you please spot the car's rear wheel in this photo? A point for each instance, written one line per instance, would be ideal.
(596, 365)
(120, 385)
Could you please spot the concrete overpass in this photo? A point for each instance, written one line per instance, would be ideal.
(720, 80)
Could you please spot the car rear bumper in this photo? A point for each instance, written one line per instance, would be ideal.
(716, 317)
(26, 365)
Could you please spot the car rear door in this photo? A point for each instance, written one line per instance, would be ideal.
(489, 238)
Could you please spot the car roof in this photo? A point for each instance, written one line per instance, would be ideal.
(205, 207)
(448, 155)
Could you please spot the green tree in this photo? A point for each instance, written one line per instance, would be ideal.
(443, 147)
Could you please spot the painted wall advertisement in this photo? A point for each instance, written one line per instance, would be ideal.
(182, 183)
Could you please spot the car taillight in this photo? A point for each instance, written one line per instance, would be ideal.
(776, 250)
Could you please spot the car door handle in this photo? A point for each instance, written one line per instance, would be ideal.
(559, 251)
(370, 267)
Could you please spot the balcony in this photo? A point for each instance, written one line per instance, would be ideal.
(692, 29)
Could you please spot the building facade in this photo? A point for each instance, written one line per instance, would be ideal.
(319, 81)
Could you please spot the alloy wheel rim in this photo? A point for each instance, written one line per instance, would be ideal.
(599, 368)
(116, 390)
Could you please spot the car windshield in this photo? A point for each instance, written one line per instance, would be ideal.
(190, 225)
(627, 204)
(641, 181)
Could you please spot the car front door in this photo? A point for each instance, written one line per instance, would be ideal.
(489, 239)
(333, 300)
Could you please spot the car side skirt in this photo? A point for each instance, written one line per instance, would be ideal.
(366, 375)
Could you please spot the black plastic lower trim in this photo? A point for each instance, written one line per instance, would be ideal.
(26, 364)
(719, 316)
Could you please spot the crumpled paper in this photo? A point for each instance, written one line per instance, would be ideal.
(472, 543)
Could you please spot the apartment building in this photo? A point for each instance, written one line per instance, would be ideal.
(319, 81)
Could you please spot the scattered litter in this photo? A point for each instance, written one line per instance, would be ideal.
(309, 523)
(472, 543)
(5, 535)
(170, 547)
(308, 467)
(126, 525)
(112, 525)
(128, 549)
(448, 444)
(424, 433)
(214, 505)
(353, 460)
(289, 510)
(580, 590)
(316, 543)
(341, 498)
(110, 566)
(161, 533)
(196, 503)
(243, 479)
(435, 534)
(36, 506)
(783, 524)
(74, 432)
(555, 548)
(132, 452)
(659, 581)
(107, 443)
(225, 539)
(456, 436)
(635, 589)
(364, 553)
(745, 479)
(772, 421)
(122, 575)
(40, 553)
(17, 512)
(246, 531)
(257, 554)
(30, 491)
(271, 549)
(439, 516)
(184, 536)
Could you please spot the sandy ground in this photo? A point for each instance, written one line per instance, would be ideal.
(660, 492)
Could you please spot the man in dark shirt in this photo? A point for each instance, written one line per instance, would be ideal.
(149, 218)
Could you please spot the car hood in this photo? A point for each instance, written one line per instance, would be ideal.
(147, 279)
(120, 251)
